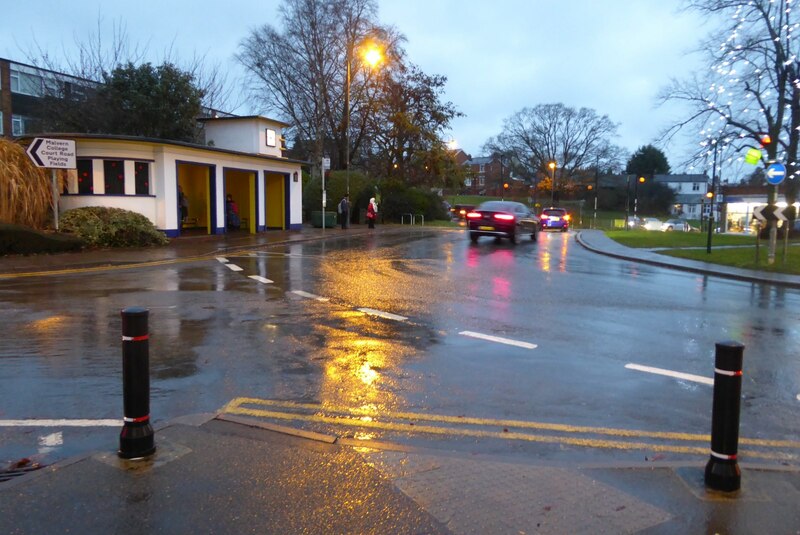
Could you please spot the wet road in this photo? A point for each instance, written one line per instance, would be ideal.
(418, 338)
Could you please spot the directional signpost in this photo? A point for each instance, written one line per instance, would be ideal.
(776, 172)
(53, 154)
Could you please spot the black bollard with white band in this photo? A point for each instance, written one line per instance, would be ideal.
(137, 438)
(722, 469)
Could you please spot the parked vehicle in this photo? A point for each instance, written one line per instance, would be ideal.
(554, 218)
(459, 211)
(502, 219)
(650, 223)
(677, 225)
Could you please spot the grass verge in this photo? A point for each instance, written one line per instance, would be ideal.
(745, 257)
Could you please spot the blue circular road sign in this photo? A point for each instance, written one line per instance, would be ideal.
(776, 172)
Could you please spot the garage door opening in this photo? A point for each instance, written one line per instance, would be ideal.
(196, 182)
(241, 186)
(275, 200)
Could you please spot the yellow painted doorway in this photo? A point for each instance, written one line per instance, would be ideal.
(275, 201)
(241, 185)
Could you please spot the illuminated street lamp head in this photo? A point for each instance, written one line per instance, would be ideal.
(709, 194)
(552, 165)
(372, 56)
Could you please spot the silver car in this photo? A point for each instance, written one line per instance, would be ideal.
(677, 225)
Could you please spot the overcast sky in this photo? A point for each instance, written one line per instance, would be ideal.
(498, 56)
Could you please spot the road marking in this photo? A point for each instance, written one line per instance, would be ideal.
(307, 295)
(359, 418)
(670, 373)
(499, 339)
(60, 423)
(382, 314)
(222, 260)
(260, 279)
(234, 267)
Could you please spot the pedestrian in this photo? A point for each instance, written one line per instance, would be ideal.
(232, 213)
(344, 211)
(183, 206)
(372, 212)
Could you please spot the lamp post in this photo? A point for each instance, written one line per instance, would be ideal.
(372, 56)
(640, 180)
(711, 200)
(552, 166)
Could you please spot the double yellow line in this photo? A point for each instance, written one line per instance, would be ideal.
(407, 422)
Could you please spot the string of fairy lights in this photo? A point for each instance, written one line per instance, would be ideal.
(759, 49)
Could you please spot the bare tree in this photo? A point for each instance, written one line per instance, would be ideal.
(299, 72)
(574, 139)
(751, 88)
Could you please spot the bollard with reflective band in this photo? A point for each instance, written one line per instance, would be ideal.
(136, 439)
(722, 469)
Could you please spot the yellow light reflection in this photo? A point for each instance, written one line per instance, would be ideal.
(47, 324)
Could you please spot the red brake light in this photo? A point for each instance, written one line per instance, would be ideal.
(504, 217)
(473, 215)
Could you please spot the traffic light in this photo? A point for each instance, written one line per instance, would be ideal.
(709, 195)
(505, 185)
(642, 180)
(766, 140)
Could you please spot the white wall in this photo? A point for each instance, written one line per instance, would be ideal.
(161, 205)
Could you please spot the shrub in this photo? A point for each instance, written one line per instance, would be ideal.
(111, 227)
(18, 239)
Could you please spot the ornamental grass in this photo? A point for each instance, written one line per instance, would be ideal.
(26, 196)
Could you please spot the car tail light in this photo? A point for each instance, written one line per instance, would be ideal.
(504, 217)
(473, 215)
(544, 216)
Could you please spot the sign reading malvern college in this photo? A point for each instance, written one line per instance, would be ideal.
(53, 153)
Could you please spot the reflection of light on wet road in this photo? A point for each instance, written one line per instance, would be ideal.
(464, 426)
(44, 325)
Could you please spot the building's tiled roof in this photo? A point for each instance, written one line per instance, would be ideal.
(681, 178)
(479, 160)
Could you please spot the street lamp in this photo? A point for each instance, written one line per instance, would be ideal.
(641, 180)
(552, 166)
(372, 55)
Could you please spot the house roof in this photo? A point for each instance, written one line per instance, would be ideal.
(681, 178)
(111, 137)
(479, 160)
(243, 118)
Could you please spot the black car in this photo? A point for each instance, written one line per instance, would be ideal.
(502, 219)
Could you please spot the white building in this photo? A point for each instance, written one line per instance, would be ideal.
(690, 193)
(242, 159)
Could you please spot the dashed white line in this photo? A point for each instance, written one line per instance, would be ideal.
(382, 314)
(60, 423)
(307, 295)
(260, 279)
(669, 373)
(234, 267)
(499, 340)
(222, 260)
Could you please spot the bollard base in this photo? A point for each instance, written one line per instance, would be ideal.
(136, 441)
(723, 475)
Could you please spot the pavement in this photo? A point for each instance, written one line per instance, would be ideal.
(220, 473)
